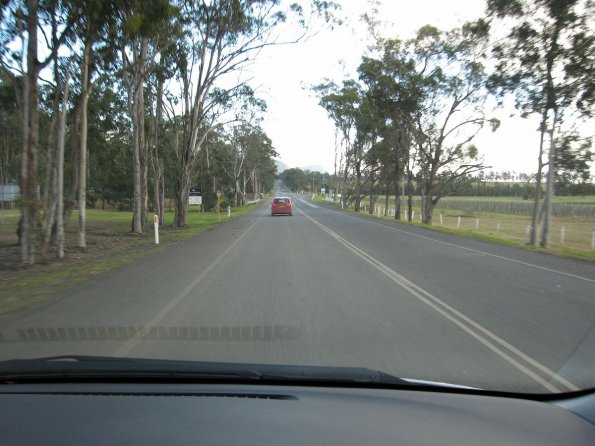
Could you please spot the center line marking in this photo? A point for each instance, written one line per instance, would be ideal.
(127, 347)
(486, 337)
(532, 265)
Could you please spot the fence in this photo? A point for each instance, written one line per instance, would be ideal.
(564, 231)
(524, 208)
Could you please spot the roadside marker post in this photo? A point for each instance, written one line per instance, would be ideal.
(477, 224)
(458, 222)
(562, 235)
(528, 232)
(156, 226)
(219, 206)
(441, 218)
(593, 240)
(228, 211)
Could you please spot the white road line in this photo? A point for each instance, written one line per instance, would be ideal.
(129, 345)
(301, 200)
(465, 248)
(474, 329)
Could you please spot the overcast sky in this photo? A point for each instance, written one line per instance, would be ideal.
(299, 127)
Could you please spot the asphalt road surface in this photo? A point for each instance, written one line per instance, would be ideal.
(330, 288)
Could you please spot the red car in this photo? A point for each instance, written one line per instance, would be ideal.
(282, 205)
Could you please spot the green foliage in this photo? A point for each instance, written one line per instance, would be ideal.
(297, 180)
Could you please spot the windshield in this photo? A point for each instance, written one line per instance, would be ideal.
(434, 157)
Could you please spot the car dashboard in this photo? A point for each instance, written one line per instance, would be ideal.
(246, 414)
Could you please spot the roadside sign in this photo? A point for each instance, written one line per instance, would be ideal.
(218, 194)
(195, 196)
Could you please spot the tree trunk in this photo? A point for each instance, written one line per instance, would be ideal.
(29, 198)
(60, 204)
(397, 180)
(156, 161)
(358, 183)
(50, 192)
(428, 209)
(181, 194)
(71, 192)
(139, 156)
(535, 210)
(386, 199)
(82, 176)
(162, 195)
(549, 194)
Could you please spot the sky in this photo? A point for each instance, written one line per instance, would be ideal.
(300, 129)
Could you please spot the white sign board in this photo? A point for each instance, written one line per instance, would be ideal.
(323, 191)
(195, 199)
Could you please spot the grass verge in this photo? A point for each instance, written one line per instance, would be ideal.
(110, 245)
(515, 238)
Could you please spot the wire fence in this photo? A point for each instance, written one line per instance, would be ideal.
(524, 208)
(567, 230)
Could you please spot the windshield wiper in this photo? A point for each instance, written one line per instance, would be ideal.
(76, 367)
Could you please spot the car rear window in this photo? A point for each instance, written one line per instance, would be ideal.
(281, 200)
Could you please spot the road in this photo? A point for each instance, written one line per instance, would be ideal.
(330, 288)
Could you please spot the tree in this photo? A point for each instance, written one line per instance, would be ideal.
(394, 88)
(221, 38)
(573, 158)
(10, 142)
(25, 24)
(341, 104)
(544, 59)
(452, 110)
(96, 18)
(144, 22)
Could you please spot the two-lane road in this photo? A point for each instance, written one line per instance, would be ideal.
(330, 288)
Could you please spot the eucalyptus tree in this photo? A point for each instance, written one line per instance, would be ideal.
(545, 58)
(96, 20)
(452, 109)
(394, 88)
(341, 103)
(10, 141)
(222, 37)
(26, 22)
(143, 24)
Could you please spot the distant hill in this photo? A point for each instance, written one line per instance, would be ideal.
(281, 166)
(314, 168)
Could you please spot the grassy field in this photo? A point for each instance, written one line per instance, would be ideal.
(570, 236)
(110, 245)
